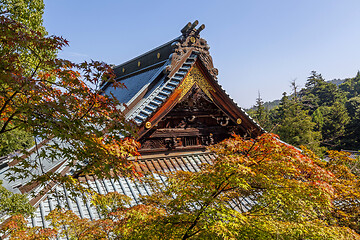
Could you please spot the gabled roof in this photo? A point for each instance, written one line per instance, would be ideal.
(153, 79)
(155, 82)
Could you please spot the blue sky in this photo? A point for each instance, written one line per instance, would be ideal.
(257, 45)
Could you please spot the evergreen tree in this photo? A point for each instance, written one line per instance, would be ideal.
(295, 126)
(13, 203)
(335, 119)
(16, 139)
(351, 140)
(330, 111)
(28, 12)
(295, 88)
(261, 114)
(318, 92)
(351, 86)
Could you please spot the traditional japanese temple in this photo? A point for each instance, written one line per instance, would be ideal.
(174, 97)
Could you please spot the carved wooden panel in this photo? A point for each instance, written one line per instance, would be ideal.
(194, 122)
(195, 76)
(190, 41)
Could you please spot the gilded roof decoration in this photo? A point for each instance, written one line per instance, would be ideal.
(195, 76)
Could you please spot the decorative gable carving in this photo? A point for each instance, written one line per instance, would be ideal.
(190, 41)
(195, 122)
(195, 76)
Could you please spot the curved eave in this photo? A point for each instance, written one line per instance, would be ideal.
(162, 92)
(220, 97)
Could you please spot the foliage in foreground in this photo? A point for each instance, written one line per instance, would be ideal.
(46, 96)
(255, 189)
(13, 204)
(29, 13)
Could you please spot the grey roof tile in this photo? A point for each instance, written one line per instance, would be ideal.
(160, 92)
(126, 186)
(133, 85)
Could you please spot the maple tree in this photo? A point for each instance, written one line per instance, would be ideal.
(255, 189)
(61, 104)
(346, 201)
(13, 204)
(28, 13)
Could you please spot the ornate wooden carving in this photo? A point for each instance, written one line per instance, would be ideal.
(195, 77)
(195, 122)
(191, 41)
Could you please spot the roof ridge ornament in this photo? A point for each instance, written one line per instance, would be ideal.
(190, 41)
(190, 29)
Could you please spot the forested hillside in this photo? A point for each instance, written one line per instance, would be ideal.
(322, 115)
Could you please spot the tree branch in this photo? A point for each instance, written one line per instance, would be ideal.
(213, 196)
(3, 129)
(8, 101)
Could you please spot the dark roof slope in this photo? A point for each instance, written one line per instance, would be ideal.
(140, 71)
(155, 56)
(134, 84)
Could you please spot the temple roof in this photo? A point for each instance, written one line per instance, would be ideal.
(152, 78)
(155, 82)
(151, 165)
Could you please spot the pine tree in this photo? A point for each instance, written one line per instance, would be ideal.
(351, 86)
(318, 92)
(335, 119)
(261, 114)
(295, 126)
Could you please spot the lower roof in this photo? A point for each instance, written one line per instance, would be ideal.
(189, 161)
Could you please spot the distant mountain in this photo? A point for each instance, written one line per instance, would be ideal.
(272, 104)
(337, 82)
(268, 105)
